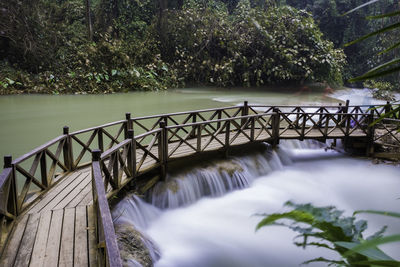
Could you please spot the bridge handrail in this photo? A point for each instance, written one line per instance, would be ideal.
(186, 112)
(98, 127)
(220, 120)
(70, 161)
(250, 119)
(107, 251)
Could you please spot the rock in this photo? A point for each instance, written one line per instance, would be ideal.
(136, 249)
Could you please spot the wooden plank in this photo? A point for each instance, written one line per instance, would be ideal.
(73, 193)
(11, 250)
(53, 241)
(91, 236)
(27, 242)
(81, 251)
(53, 192)
(63, 192)
(78, 199)
(67, 239)
(39, 249)
(87, 200)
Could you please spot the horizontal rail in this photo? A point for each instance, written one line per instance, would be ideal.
(98, 127)
(315, 106)
(185, 112)
(140, 136)
(218, 120)
(115, 148)
(39, 149)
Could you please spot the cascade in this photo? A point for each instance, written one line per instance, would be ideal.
(207, 216)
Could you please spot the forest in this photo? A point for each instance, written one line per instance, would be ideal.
(105, 46)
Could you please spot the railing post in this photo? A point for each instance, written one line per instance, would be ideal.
(198, 147)
(275, 127)
(346, 111)
(388, 108)
(320, 118)
(252, 126)
(326, 125)
(96, 154)
(67, 150)
(193, 132)
(303, 126)
(100, 139)
(340, 110)
(245, 111)
(132, 153)
(12, 190)
(370, 134)
(219, 117)
(43, 169)
(297, 117)
(163, 150)
(227, 136)
(128, 124)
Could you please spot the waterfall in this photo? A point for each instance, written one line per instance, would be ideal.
(205, 216)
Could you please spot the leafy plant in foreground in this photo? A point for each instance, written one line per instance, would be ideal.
(326, 227)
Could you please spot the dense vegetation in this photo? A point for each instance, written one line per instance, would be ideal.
(66, 47)
(102, 46)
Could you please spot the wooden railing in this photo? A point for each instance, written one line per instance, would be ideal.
(107, 247)
(162, 138)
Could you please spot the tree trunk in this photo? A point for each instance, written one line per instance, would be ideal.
(163, 4)
(89, 21)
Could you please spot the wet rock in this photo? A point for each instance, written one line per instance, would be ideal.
(136, 249)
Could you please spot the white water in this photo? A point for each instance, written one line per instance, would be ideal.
(220, 231)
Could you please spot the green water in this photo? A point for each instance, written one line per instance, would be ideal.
(27, 121)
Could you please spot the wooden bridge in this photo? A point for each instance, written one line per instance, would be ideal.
(54, 208)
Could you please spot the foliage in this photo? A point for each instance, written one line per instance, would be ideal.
(137, 46)
(250, 47)
(326, 227)
(380, 90)
(391, 28)
(342, 29)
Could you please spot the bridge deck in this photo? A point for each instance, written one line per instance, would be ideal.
(58, 229)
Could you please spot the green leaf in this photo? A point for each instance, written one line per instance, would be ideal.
(113, 72)
(385, 213)
(370, 252)
(385, 15)
(360, 6)
(385, 29)
(375, 74)
(373, 243)
(386, 115)
(389, 49)
(10, 82)
(392, 263)
(293, 215)
(321, 259)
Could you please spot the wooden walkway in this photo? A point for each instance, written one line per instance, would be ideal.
(58, 230)
(54, 209)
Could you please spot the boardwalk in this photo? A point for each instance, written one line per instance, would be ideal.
(48, 216)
